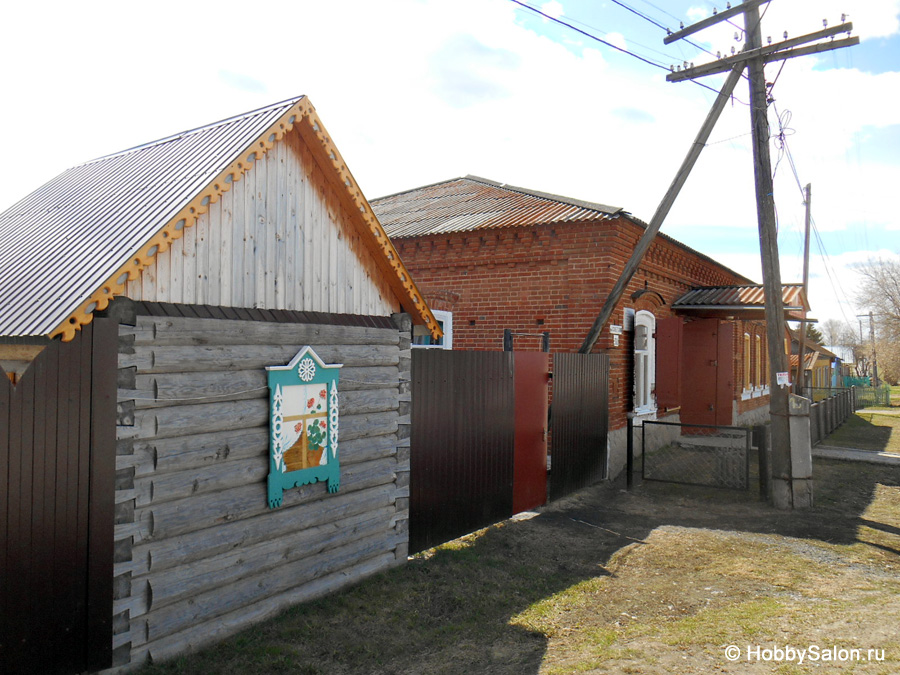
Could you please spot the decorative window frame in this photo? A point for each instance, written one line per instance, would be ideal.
(292, 388)
(648, 320)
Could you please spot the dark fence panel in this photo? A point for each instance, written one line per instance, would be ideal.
(579, 422)
(57, 473)
(462, 443)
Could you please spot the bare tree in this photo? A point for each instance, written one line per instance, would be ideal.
(879, 292)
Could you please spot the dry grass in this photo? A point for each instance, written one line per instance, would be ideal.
(657, 580)
(869, 429)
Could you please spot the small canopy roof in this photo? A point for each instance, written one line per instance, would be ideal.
(739, 302)
(70, 246)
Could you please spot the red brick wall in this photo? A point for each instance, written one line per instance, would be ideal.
(553, 278)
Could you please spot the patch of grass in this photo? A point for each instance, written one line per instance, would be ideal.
(868, 429)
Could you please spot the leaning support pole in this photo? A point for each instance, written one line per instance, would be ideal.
(662, 210)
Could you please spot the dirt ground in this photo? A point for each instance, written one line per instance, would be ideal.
(697, 571)
(662, 579)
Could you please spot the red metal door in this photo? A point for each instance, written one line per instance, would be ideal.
(530, 463)
(708, 374)
(724, 375)
(700, 350)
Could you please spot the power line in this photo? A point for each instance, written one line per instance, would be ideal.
(658, 25)
(589, 35)
(610, 44)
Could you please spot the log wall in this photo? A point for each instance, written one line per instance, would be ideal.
(199, 555)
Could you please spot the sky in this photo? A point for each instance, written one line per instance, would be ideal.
(419, 91)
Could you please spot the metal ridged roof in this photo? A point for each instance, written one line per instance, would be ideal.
(739, 297)
(58, 244)
(472, 203)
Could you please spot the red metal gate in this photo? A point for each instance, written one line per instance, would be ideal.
(57, 476)
(531, 403)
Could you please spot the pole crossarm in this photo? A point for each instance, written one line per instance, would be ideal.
(712, 20)
(813, 49)
(775, 52)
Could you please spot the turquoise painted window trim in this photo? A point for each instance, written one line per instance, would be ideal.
(303, 425)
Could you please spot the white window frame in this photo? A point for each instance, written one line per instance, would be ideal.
(644, 373)
(446, 321)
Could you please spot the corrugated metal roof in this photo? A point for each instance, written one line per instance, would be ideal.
(739, 298)
(472, 203)
(58, 244)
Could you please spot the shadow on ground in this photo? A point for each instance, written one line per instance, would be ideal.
(475, 605)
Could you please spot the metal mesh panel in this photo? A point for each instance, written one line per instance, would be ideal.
(696, 455)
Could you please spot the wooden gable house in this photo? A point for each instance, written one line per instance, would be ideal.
(142, 297)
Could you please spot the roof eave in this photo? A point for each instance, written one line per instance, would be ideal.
(302, 111)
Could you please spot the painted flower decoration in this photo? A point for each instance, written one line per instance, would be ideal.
(322, 424)
(306, 370)
(310, 403)
(323, 393)
(298, 427)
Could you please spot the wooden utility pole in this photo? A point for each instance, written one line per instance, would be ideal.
(735, 64)
(789, 488)
(776, 329)
(801, 371)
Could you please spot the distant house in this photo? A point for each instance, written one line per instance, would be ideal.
(687, 341)
(142, 297)
(823, 368)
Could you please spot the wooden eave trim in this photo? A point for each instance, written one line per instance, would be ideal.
(364, 219)
(145, 255)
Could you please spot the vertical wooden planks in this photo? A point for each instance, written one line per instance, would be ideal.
(189, 264)
(278, 210)
(221, 293)
(102, 483)
(250, 234)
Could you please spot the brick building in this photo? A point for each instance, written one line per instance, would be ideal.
(490, 257)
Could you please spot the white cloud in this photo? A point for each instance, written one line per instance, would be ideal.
(415, 92)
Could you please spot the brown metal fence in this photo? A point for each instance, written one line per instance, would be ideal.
(57, 476)
(579, 422)
(461, 445)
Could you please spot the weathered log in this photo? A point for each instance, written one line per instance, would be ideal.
(207, 605)
(274, 554)
(170, 389)
(153, 359)
(190, 453)
(206, 510)
(198, 635)
(199, 513)
(186, 420)
(174, 331)
(161, 488)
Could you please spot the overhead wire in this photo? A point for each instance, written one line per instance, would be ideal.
(781, 142)
(610, 44)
